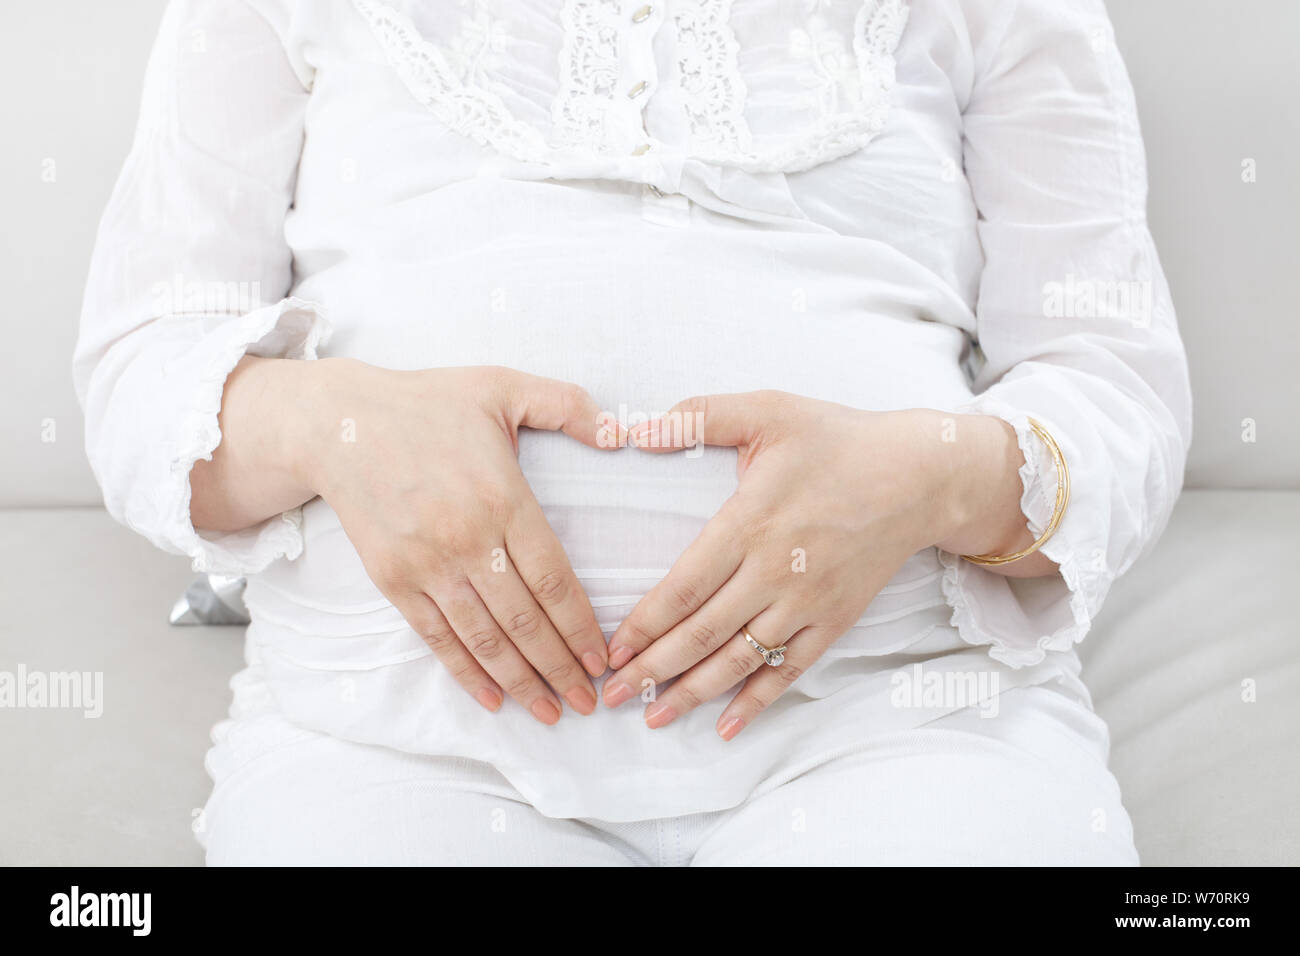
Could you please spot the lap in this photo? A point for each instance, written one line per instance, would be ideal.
(1025, 789)
(1030, 787)
(316, 800)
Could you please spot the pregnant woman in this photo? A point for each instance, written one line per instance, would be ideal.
(684, 432)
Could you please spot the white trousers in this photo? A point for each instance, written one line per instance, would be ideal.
(959, 791)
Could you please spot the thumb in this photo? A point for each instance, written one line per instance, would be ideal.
(730, 420)
(551, 405)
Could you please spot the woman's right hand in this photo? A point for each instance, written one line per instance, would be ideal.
(421, 468)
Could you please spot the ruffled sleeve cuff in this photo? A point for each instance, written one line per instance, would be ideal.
(292, 328)
(1022, 620)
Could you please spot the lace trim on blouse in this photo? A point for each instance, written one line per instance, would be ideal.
(853, 101)
(712, 89)
(464, 106)
(589, 73)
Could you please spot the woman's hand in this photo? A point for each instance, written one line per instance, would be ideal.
(831, 502)
(421, 469)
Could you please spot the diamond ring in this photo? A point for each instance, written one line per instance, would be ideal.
(772, 656)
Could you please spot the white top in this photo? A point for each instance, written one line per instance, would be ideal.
(658, 200)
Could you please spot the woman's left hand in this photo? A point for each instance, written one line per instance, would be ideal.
(831, 502)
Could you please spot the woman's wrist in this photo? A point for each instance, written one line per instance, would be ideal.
(261, 464)
(983, 489)
(319, 397)
(289, 417)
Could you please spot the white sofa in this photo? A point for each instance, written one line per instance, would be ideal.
(1193, 661)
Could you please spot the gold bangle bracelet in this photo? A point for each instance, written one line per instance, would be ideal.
(1062, 500)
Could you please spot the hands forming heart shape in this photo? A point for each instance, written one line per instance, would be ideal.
(831, 502)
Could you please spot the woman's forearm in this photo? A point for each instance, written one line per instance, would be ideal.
(257, 470)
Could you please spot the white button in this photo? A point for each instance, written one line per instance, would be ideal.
(643, 14)
(637, 90)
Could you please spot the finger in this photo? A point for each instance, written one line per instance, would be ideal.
(552, 405)
(545, 569)
(426, 620)
(526, 624)
(724, 668)
(768, 683)
(464, 610)
(729, 420)
(694, 639)
(704, 567)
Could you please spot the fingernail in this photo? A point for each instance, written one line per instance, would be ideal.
(731, 728)
(592, 661)
(611, 434)
(617, 694)
(489, 699)
(618, 656)
(582, 700)
(545, 711)
(658, 715)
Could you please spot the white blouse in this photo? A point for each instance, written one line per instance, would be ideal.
(941, 206)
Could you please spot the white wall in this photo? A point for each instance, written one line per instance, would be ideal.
(71, 72)
(1216, 84)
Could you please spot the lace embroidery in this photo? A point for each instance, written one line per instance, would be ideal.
(589, 72)
(831, 57)
(855, 111)
(713, 92)
(853, 100)
(477, 51)
(466, 107)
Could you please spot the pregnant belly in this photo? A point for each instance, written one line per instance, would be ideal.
(642, 316)
(623, 517)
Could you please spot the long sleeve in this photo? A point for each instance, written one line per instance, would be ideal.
(191, 272)
(1074, 318)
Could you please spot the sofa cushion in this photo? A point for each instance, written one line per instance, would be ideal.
(1193, 662)
(84, 594)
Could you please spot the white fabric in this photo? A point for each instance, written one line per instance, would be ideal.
(838, 204)
(341, 660)
(1028, 789)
